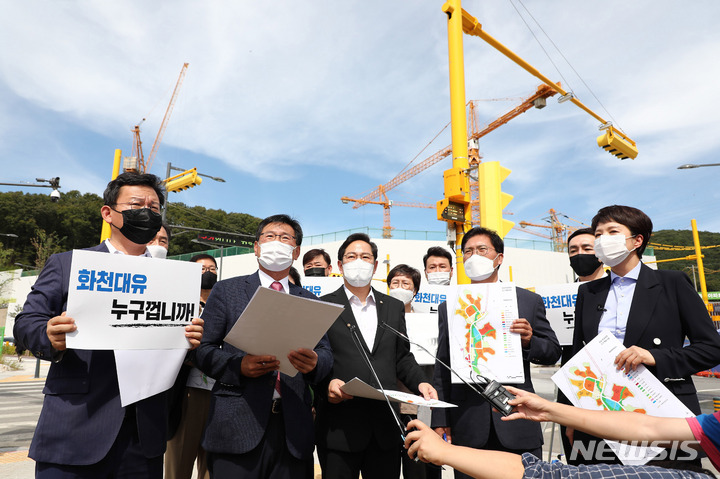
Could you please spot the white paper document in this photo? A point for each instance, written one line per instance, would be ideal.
(559, 301)
(359, 388)
(142, 374)
(591, 381)
(481, 344)
(131, 302)
(275, 323)
(422, 328)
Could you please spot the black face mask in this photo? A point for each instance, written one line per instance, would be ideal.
(208, 280)
(140, 226)
(319, 271)
(584, 264)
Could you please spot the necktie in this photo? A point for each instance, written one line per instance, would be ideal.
(277, 286)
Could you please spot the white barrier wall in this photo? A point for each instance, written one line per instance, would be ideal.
(527, 268)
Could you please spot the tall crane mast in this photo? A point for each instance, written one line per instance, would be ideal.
(379, 194)
(137, 162)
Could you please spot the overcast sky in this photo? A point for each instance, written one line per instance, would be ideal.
(297, 103)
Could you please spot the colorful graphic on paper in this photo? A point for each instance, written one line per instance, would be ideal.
(607, 395)
(480, 341)
(591, 381)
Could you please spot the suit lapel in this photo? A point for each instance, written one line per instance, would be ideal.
(382, 316)
(643, 303)
(594, 304)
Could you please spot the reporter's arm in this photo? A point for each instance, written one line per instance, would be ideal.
(615, 425)
(429, 447)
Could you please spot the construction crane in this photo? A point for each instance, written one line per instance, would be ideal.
(379, 194)
(137, 162)
(558, 230)
(386, 204)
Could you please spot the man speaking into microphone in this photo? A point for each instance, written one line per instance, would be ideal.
(355, 434)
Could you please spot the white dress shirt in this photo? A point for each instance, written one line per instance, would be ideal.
(618, 302)
(365, 315)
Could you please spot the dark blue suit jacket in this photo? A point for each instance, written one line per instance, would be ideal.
(240, 406)
(665, 309)
(470, 421)
(81, 414)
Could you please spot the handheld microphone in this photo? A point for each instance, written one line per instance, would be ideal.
(492, 391)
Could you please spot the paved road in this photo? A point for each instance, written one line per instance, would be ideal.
(21, 400)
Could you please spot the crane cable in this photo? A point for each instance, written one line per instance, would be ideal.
(615, 123)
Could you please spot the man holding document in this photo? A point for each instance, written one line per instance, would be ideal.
(83, 430)
(357, 434)
(260, 423)
(473, 423)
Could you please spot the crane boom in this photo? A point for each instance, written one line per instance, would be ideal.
(543, 91)
(165, 120)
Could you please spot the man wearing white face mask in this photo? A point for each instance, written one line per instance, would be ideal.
(260, 423)
(357, 434)
(473, 423)
(438, 266)
(651, 311)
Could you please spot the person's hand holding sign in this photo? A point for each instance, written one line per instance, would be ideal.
(58, 326)
(194, 332)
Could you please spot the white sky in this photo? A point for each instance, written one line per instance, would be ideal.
(299, 103)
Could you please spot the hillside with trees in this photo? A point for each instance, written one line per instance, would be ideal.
(43, 227)
(711, 259)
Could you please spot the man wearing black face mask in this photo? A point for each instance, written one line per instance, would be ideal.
(83, 430)
(316, 262)
(581, 251)
(195, 388)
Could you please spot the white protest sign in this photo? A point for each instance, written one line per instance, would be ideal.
(429, 298)
(422, 328)
(321, 285)
(559, 300)
(481, 344)
(131, 302)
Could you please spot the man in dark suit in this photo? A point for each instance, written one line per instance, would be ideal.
(260, 423)
(473, 423)
(650, 311)
(83, 431)
(356, 434)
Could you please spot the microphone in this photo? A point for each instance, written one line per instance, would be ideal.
(492, 391)
(358, 345)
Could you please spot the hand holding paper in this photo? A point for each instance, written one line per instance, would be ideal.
(254, 366)
(335, 393)
(57, 327)
(304, 360)
(194, 332)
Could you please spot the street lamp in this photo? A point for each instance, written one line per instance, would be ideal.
(11, 235)
(688, 166)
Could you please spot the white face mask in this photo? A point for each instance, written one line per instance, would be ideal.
(276, 256)
(358, 273)
(479, 268)
(440, 277)
(611, 249)
(157, 251)
(404, 295)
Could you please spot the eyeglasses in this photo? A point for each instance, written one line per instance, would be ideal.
(481, 250)
(282, 237)
(136, 205)
(367, 257)
(205, 269)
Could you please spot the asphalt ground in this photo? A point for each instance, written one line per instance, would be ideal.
(21, 400)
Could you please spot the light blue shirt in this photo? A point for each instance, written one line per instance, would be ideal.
(618, 302)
